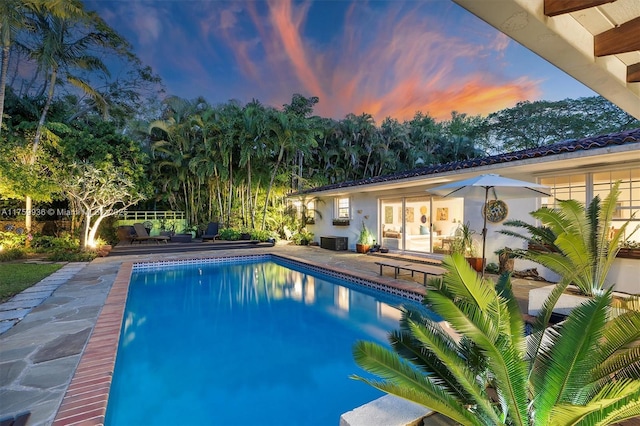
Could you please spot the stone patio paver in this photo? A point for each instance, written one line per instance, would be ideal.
(16, 308)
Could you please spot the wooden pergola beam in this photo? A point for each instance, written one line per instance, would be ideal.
(558, 7)
(633, 73)
(625, 38)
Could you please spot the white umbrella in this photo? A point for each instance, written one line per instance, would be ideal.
(490, 184)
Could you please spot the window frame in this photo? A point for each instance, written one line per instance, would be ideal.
(338, 209)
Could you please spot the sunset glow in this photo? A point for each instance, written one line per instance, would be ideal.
(382, 58)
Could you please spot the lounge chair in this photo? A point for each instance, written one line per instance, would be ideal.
(143, 235)
(212, 232)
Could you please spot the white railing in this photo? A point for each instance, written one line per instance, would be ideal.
(142, 216)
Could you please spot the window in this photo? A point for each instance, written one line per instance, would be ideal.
(310, 212)
(583, 187)
(565, 188)
(343, 208)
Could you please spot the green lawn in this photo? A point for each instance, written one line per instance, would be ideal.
(15, 277)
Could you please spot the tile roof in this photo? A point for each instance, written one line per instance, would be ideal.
(602, 141)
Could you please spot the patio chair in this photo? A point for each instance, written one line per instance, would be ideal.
(142, 235)
(211, 232)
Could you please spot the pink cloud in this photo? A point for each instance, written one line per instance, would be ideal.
(386, 63)
(386, 59)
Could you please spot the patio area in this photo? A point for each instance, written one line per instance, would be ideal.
(39, 354)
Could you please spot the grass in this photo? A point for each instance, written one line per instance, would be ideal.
(15, 277)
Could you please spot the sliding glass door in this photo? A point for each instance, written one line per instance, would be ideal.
(421, 224)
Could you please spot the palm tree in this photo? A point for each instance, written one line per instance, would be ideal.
(60, 47)
(586, 370)
(176, 149)
(288, 134)
(13, 19)
(253, 133)
(578, 243)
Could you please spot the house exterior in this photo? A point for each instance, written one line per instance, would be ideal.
(406, 218)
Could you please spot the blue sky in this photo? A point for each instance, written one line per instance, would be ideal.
(386, 58)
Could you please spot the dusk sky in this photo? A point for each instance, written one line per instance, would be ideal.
(386, 58)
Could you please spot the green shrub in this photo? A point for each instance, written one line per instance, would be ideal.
(12, 254)
(10, 240)
(108, 231)
(302, 238)
(45, 243)
(492, 268)
(261, 235)
(72, 256)
(229, 234)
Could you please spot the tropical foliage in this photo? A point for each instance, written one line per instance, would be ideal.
(576, 242)
(534, 124)
(234, 163)
(582, 371)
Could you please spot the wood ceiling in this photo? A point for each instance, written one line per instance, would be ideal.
(623, 38)
(595, 41)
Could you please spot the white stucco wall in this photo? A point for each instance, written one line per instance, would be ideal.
(364, 207)
(625, 273)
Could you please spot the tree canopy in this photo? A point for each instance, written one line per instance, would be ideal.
(234, 162)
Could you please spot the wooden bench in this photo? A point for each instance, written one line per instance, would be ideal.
(411, 267)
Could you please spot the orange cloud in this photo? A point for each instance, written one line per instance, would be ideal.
(387, 59)
(287, 28)
(411, 65)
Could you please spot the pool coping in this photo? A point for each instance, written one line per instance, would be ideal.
(86, 398)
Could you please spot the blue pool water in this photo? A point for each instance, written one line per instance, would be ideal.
(243, 344)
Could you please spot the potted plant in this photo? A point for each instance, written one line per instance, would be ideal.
(463, 244)
(302, 238)
(365, 240)
(506, 257)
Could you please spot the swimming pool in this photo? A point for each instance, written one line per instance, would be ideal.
(247, 342)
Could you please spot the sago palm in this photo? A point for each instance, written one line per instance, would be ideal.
(583, 371)
(580, 246)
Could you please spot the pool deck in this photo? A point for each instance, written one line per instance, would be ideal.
(41, 349)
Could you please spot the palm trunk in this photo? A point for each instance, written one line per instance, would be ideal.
(218, 193)
(250, 205)
(230, 191)
(273, 178)
(186, 201)
(255, 203)
(3, 79)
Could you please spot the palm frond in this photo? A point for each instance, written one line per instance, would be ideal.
(561, 370)
(621, 331)
(404, 381)
(457, 366)
(410, 349)
(573, 212)
(553, 219)
(631, 303)
(557, 262)
(484, 326)
(465, 283)
(622, 411)
(538, 233)
(437, 401)
(515, 323)
(624, 364)
(613, 394)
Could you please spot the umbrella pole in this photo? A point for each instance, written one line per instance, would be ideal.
(484, 227)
